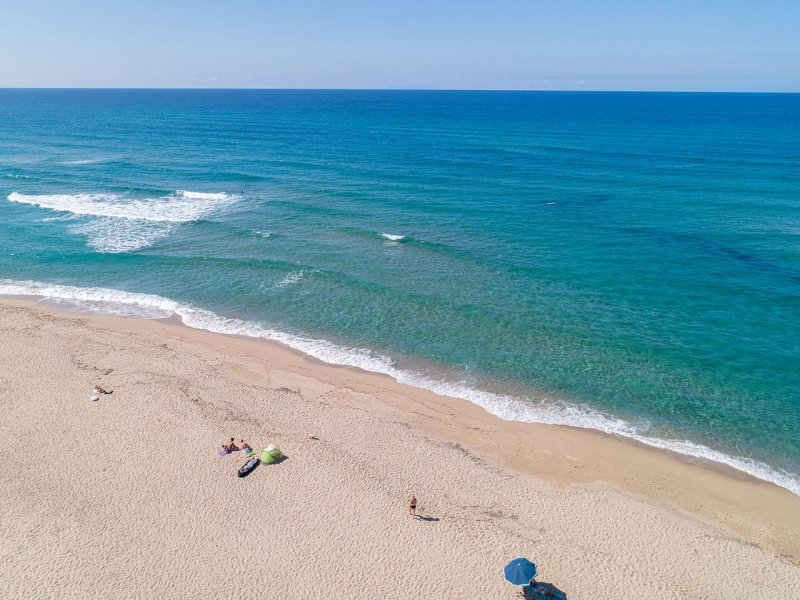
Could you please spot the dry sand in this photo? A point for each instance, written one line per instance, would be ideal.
(127, 498)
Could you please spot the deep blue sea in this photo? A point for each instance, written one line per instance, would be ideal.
(623, 261)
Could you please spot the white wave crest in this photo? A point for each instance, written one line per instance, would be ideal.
(506, 407)
(86, 161)
(393, 237)
(125, 224)
(175, 208)
(104, 300)
(16, 176)
(202, 195)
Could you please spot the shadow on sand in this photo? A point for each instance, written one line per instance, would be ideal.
(543, 591)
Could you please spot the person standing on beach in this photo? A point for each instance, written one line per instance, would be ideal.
(412, 506)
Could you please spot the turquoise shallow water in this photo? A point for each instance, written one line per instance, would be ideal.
(629, 262)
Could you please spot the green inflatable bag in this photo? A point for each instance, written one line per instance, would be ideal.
(271, 454)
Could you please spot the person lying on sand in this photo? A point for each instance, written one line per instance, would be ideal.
(99, 390)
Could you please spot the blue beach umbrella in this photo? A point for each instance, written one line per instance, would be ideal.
(519, 571)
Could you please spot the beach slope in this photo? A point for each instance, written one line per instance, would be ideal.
(127, 497)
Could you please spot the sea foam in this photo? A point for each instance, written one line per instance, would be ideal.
(290, 279)
(112, 301)
(180, 207)
(125, 224)
(203, 195)
(393, 237)
(111, 236)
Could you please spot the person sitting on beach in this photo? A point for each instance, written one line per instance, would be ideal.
(230, 446)
(412, 506)
(246, 449)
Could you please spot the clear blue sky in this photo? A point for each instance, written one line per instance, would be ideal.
(744, 45)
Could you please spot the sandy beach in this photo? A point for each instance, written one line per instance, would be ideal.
(127, 497)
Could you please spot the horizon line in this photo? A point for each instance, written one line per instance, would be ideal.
(393, 89)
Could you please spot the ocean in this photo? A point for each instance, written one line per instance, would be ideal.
(628, 262)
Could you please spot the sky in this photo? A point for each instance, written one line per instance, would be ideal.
(669, 45)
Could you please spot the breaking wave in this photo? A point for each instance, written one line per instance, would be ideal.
(110, 301)
(180, 207)
(124, 224)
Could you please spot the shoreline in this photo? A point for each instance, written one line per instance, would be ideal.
(701, 487)
(330, 353)
(127, 497)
